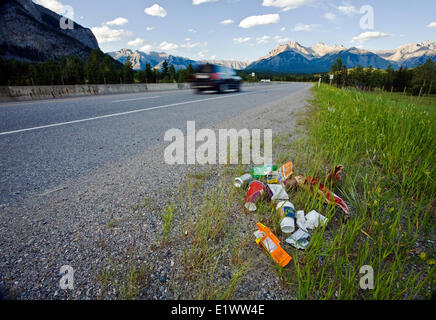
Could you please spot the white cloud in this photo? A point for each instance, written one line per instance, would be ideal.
(117, 22)
(168, 46)
(105, 34)
(253, 21)
(156, 11)
(197, 2)
(136, 43)
(348, 9)
(263, 39)
(432, 25)
(330, 16)
(228, 21)
(286, 4)
(149, 28)
(147, 47)
(366, 36)
(192, 31)
(53, 5)
(189, 45)
(213, 57)
(241, 40)
(281, 39)
(282, 29)
(305, 27)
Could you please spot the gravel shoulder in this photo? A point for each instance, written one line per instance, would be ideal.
(110, 222)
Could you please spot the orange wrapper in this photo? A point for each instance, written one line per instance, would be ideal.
(286, 171)
(272, 244)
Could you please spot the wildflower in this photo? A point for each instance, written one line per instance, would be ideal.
(423, 255)
(375, 203)
(391, 210)
(432, 262)
(379, 190)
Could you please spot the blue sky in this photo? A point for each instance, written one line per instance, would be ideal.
(248, 29)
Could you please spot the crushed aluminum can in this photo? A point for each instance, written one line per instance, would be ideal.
(255, 193)
(244, 181)
(300, 239)
(273, 178)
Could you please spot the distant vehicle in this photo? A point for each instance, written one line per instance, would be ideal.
(265, 80)
(217, 78)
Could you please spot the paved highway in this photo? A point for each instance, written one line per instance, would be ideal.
(46, 143)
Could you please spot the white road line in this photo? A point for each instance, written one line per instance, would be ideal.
(122, 114)
(144, 98)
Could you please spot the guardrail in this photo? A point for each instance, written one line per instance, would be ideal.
(26, 93)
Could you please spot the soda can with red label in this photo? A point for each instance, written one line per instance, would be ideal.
(255, 192)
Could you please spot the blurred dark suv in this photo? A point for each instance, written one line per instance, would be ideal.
(218, 78)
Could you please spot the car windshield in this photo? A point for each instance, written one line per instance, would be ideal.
(206, 68)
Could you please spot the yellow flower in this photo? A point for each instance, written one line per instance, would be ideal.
(432, 262)
(379, 190)
(375, 203)
(423, 255)
(391, 210)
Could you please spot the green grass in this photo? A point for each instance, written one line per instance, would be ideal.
(167, 218)
(124, 278)
(427, 100)
(214, 242)
(388, 149)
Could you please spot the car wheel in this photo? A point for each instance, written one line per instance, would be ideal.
(222, 88)
(238, 88)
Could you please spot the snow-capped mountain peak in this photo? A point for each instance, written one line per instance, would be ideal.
(409, 51)
(321, 49)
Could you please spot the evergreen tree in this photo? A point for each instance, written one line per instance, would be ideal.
(127, 71)
(165, 71)
(425, 77)
(172, 73)
(148, 73)
(110, 74)
(93, 70)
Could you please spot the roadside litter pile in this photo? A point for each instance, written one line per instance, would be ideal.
(271, 183)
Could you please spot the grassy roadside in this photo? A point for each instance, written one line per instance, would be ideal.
(387, 147)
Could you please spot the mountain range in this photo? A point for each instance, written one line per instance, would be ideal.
(30, 32)
(292, 57)
(155, 59)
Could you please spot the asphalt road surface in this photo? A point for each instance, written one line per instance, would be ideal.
(47, 143)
